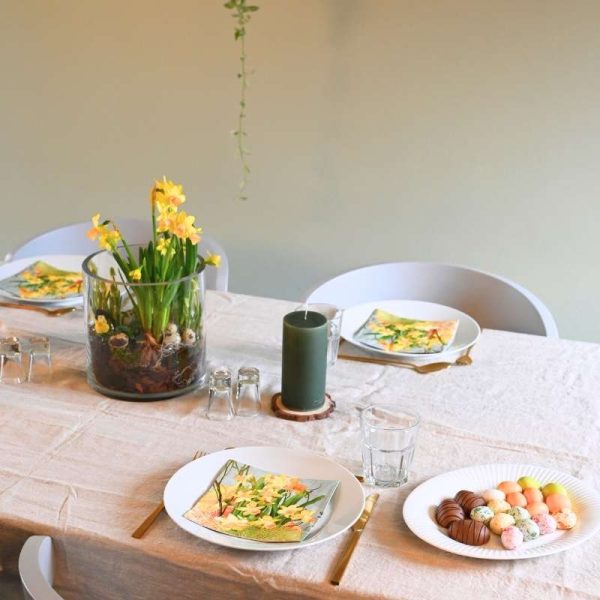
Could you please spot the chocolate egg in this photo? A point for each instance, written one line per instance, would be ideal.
(556, 502)
(533, 495)
(449, 511)
(516, 499)
(468, 500)
(508, 487)
(472, 533)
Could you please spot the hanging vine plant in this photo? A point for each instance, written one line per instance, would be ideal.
(242, 12)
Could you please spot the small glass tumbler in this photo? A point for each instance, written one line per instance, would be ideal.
(40, 360)
(334, 324)
(247, 398)
(11, 365)
(388, 444)
(220, 406)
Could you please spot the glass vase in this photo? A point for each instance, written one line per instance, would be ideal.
(145, 341)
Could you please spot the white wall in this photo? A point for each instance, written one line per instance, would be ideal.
(465, 131)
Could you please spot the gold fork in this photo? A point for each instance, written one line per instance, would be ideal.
(50, 312)
(146, 524)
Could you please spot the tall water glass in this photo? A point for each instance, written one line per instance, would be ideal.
(247, 398)
(11, 364)
(220, 405)
(388, 444)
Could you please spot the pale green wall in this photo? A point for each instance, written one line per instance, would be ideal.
(459, 131)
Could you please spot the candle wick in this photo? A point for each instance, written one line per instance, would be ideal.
(305, 312)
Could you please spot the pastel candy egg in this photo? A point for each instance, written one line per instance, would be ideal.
(565, 519)
(546, 523)
(554, 488)
(529, 482)
(518, 513)
(533, 495)
(498, 506)
(516, 499)
(537, 508)
(500, 522)
(490, 495)
(508, 487)
(529, 529)
(511, 538)
(556, 502)
(483, 514)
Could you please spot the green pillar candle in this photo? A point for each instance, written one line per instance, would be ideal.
(304, 360)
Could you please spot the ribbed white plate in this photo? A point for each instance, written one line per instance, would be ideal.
(419, 510)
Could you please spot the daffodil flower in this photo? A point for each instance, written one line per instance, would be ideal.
(136, 274)
(101, 325)
(213, 259)
(163, 245)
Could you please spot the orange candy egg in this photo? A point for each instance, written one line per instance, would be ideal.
(516, 499)
(533, 495)
(556, 502)
(537, 508)
(509, 487)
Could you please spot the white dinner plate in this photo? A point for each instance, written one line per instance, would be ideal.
(467, 334)
(66, 262)
(193, 479)
(419, 510)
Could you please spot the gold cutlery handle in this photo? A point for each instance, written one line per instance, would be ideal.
(51, 312)
(141, 530)
(345, 558)
(147, 523)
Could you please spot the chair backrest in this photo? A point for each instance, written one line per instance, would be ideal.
(71, 239)
(36, 568)
(493, 301)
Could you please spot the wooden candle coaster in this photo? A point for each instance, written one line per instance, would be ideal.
(283, 412)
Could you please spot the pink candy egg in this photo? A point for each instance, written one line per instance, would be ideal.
(537, 508)
(509, 487)
(556, 502)
(516, 499)
(511, 538)
(546, 523)
(533, 495)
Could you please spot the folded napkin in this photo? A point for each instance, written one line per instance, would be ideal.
(247, 502)
(385, 331)
(43, 281)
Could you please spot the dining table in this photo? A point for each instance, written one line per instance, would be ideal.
(86, 469)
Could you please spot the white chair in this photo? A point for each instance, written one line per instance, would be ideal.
(71, 239)
(36, 568)
(494, 302)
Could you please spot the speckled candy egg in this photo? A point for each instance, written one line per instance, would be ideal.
(565, 519)
(546, 523)
(518, 513)
(483, 514)
(490, 495)
(509, 487)
(500, 522)
(556, 502)
(511, 538)
(537, 508)
(498, 506)
(516, 499)
(529, 529)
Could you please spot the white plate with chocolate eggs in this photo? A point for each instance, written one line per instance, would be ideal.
(555, 499)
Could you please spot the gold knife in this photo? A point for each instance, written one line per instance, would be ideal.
(357, 530)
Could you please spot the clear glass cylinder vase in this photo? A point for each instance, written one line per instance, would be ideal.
(145, 341)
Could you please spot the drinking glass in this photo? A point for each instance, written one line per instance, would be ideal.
(334, 327)
(220, 406)
(40, 361)
(388, 444)
(247, 398)
(11, 366)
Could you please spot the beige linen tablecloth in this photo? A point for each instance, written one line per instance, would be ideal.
(86, 469)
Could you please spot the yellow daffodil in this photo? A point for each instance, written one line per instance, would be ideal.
(213, 259)
(289, 511)
(107, 239)
(181, 225)
(101, 325)
(136, 274)
(165, 194)
(163, 245)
